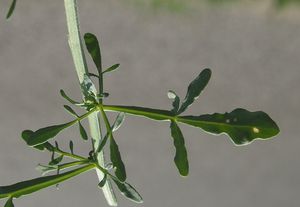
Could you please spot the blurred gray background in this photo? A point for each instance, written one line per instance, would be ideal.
(253, 51)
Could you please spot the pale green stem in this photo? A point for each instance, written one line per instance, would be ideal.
(81, 69)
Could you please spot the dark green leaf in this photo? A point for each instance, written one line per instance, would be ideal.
(11, 9)
(30, 186)
(64, 95)
(93, 48)
(128, 191)
(116, 159)
(103, 181)
(56, 160)
(156, 114)
(180, 159)
(71, 145)
(83, 132)
(26, 136)
(70, 110)
(44, 134)
(111, 68)
(118, 122)
(241, 125)
(176, 101)
(9, 202)
(195, 88)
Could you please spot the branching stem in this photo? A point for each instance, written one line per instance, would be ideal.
(81, 69)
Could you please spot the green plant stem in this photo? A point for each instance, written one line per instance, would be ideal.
(106, 121)
(72, 164)
(81, 69)
(76, 157)
(67, 165)
(140, 111)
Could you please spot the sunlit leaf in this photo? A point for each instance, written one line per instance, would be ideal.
(180, 159)
(93, 48)
(9, 202)
(241, 125)
(128, 191)
(11, 9)
(195, 88)
(30, 186)
(82, 131)
(115, 157)
(111, 68)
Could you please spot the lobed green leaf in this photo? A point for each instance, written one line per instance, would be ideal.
(180, 159)
(241, 125)
(195, 88)
(44, 134)
(26, 134)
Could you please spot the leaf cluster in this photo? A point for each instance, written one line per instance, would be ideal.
(241, 125)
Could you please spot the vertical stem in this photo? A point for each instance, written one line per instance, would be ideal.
(75, 44)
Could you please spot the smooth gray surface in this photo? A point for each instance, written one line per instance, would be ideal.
(254, 56)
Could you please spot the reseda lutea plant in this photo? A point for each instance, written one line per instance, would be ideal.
(241, 125)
